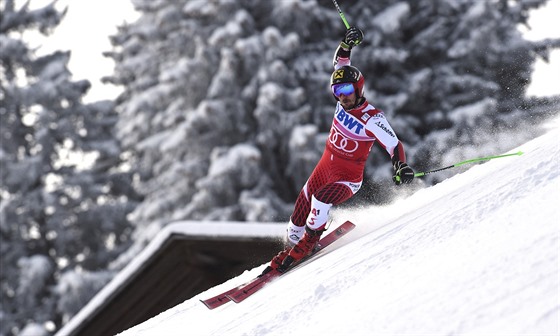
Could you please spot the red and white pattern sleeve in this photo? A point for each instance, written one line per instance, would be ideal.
(341, 57)
(385, 135)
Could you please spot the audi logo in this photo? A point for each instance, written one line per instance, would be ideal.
(339, 141)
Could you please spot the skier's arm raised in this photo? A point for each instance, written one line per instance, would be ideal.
(353, 37)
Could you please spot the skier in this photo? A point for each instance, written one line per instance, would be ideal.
(338, 175)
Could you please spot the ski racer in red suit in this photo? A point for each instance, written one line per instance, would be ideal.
(356, 126)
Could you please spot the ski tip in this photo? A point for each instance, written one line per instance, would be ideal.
(349, 223)
(209, 306)
(215, 303)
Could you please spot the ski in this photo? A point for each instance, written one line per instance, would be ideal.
(243, 292)
(240, 293)
(222, 298)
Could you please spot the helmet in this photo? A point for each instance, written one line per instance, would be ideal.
(349, 74)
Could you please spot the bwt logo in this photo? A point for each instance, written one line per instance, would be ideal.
(349, 121)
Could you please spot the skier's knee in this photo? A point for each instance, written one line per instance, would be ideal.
(319, 214)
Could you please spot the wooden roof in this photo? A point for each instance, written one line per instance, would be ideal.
(185, 259)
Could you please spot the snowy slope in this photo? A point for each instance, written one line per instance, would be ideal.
(477, 254)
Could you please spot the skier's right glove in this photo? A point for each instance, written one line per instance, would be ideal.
(353, 37)
(403, 173)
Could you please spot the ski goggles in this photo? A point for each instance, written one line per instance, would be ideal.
(342, 88)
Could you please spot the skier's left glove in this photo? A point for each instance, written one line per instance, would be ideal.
(403, 173)
(353, 37)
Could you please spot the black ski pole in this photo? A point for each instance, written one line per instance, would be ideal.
(341, 14)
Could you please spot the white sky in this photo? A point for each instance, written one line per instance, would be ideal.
(85, 30)
(544, 24)
(96, 20)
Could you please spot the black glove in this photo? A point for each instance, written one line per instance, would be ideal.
(403, 173)
(353, 37)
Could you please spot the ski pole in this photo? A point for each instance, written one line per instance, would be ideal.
(420, 174)
(341, 14)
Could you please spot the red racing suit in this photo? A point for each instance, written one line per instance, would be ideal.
(339, 173)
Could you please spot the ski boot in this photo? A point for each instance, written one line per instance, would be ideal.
(302, 249)
(293, 235)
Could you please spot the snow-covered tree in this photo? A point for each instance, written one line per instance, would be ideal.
(63, 197)
(219, 90)
(197, 94)
(453, 76)
(224, 114)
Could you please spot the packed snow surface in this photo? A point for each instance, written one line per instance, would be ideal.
(477, 254)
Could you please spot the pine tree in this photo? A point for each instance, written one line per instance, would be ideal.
(454, 76)
(63, 197)
(226, 103)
